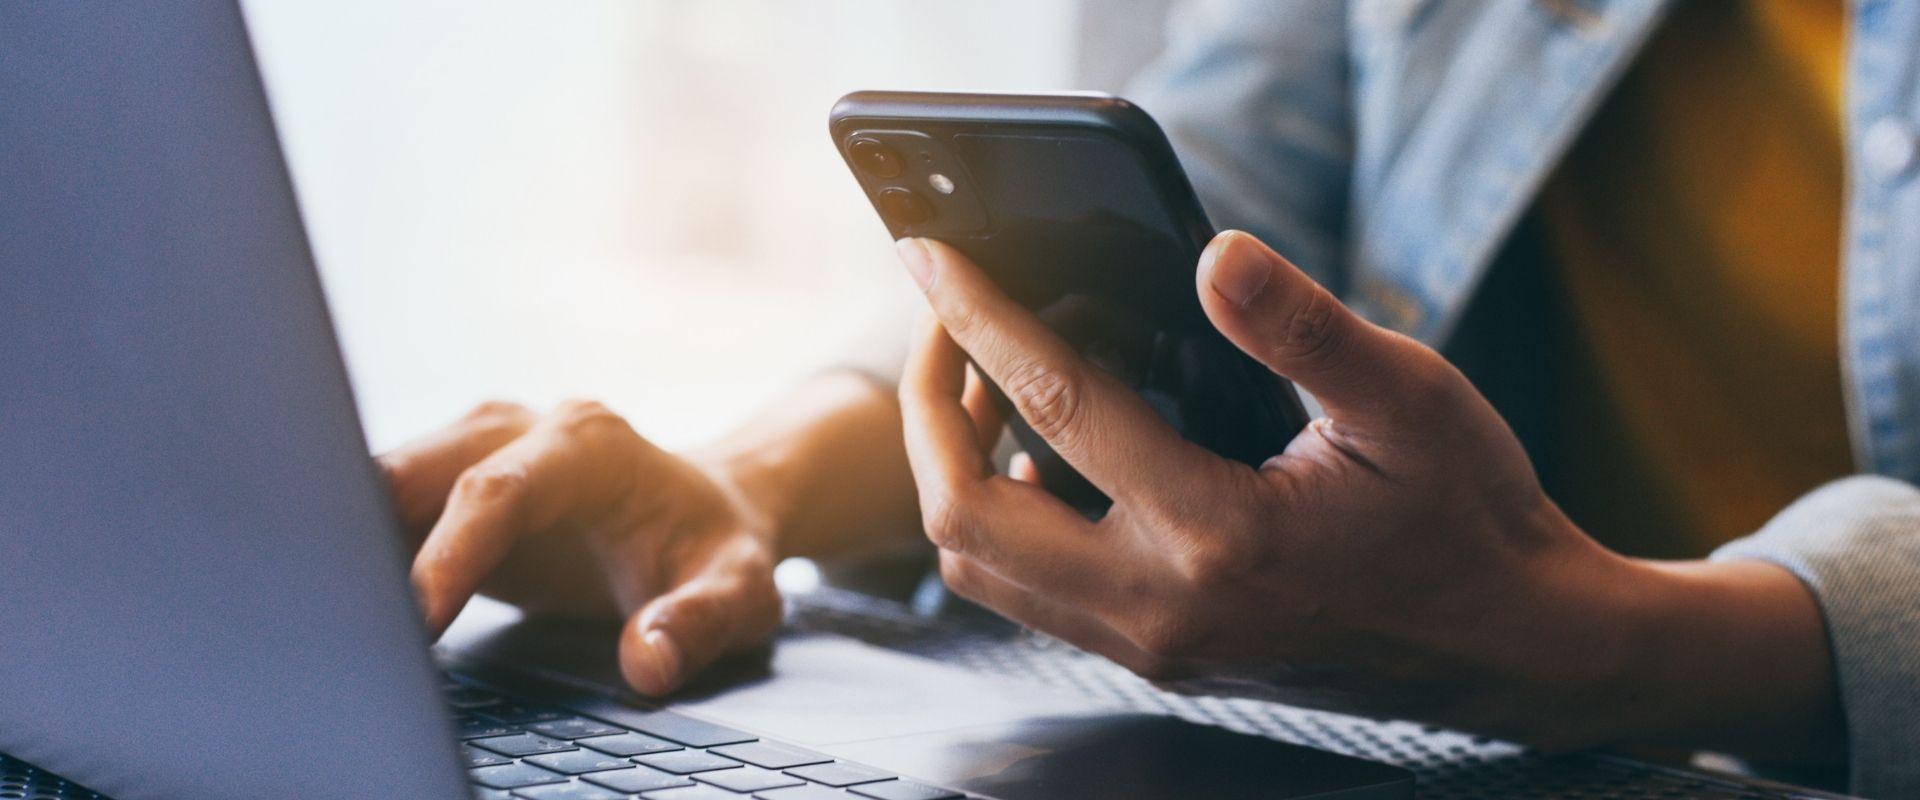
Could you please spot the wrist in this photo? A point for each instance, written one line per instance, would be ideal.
(801, 465)
(757, 493)
(1727, 656)
(1576, 639)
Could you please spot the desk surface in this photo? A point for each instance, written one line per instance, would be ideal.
(1450, 765)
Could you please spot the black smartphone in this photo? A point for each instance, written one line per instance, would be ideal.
(1076, 206)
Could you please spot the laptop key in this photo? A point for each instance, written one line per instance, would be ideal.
(517, 714)
(691, 793)
(577, 762)
(574, 728)
(636, 779)
(521, 744)
(513, 776)
(491, 794)
(767, 754)
(477, 757)
(839, 774)
(748, 779)
(687, 762)
(477, 728)
(469, 697)
(902, 790)
(687, 730)
(808, 792)
(567, 791)
(627, 744)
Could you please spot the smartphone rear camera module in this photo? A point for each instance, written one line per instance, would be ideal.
(903, 206)
(877, 159)
(915, 179)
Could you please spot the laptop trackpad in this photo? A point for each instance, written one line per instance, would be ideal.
(826, 690)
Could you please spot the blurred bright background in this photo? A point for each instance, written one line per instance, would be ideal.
(629, 200)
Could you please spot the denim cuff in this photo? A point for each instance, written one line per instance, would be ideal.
(1855, 543)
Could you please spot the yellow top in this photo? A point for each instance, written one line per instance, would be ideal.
(1696, 226)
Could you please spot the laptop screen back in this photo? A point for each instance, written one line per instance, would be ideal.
(201, 594)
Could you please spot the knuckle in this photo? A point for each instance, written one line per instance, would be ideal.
(949, 525)
(1211, 561)
(579, 408)
(589, 418)
(497, 412)
(1050, 400)
(496, 417)
(962, 322)
(1311, 330)
(490, 485)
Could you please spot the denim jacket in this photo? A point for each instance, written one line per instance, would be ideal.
(1391, 147)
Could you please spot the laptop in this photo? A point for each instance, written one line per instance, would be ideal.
(202, 590)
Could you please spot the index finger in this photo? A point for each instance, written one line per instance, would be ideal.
(420, 473)
(1097, 424)
(1021, 531)
(569, 461)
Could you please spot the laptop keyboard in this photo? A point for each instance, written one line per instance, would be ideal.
(523, 751)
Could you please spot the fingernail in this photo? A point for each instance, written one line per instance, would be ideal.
(1239, 279)
(913, 252)
(665, 656)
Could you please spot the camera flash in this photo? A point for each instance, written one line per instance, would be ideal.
(940, 183)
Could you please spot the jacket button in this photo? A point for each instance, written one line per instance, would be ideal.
(1889, 147)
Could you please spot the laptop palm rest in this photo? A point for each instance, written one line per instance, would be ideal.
(1008, 739)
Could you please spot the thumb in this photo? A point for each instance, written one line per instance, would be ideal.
(1271, 310)
(724, 610)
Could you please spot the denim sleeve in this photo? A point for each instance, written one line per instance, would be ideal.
(1856, 543)
(1254, 96)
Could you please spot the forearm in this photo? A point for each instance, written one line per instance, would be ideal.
(825, 466)
(1731, 657)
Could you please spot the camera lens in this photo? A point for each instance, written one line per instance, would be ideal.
(903, 206)
(874, 157)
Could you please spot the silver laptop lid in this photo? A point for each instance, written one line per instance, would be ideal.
(200, 591)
